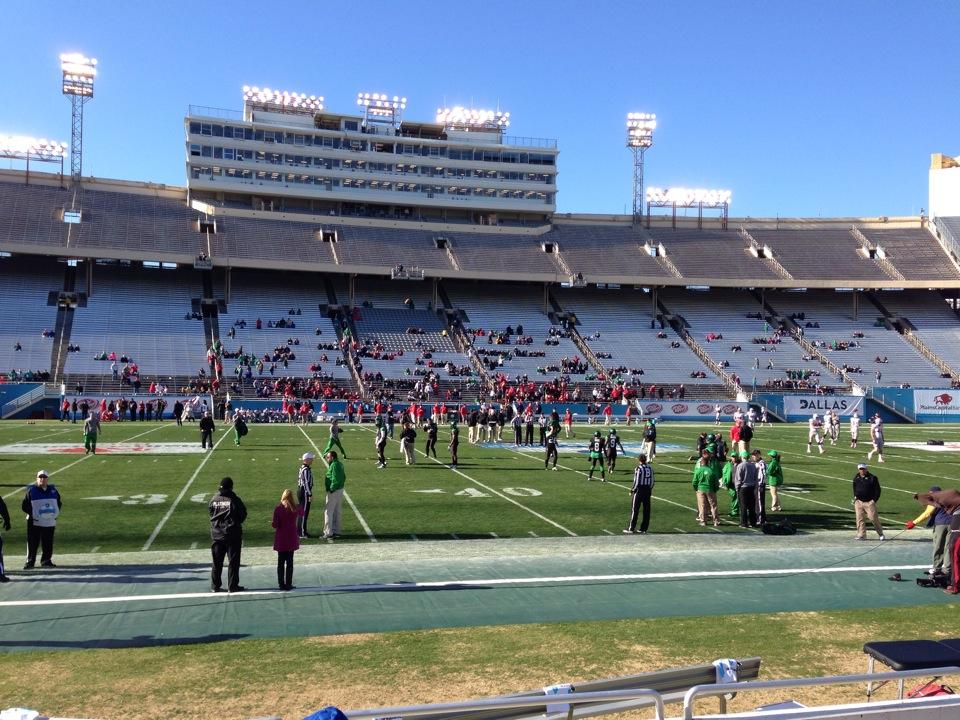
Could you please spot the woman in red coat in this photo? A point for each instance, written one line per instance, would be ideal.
(286, 539)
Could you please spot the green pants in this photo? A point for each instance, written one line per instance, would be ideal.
(90, 442)
(330, 443)
(734, 502)
(236, 437)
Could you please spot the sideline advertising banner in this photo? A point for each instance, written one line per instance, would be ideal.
(807, 405)
(936, 402)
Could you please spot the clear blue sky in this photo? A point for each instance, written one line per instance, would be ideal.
(800, 108)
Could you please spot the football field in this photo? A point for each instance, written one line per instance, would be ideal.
(148, 487)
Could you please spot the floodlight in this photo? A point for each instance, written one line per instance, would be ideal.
(79, 73)
(640, 127)
(282, 100)
(688, 197)
(381, 103)
(459, 116)
(37, 148)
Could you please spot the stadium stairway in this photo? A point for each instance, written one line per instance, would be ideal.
(907, 329)
(570, 322)
(63, 327)
(209, 309)
(339, 318)
(679, 326)
(793, 328)
(455, 320)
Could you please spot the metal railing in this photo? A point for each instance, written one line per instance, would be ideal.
(930, 354)
(646, 697)
(713, 690)
(893, 405)
(25, 400)
(948, 241)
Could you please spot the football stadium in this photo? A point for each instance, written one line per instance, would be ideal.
(460, 450)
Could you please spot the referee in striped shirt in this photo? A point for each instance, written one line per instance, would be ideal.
(305, 493)
(641, 491)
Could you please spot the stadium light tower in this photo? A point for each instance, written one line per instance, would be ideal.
(18, 147)
(79, 73)
(381, 108)
(640, 127)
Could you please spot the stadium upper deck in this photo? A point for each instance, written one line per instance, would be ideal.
(143, 221)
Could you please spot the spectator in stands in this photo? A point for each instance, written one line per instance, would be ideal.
(17, 347)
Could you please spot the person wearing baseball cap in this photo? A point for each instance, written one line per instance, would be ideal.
(42, 505)
(866, 492)
(304, 493)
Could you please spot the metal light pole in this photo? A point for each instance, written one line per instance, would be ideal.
(640, 127)
(79, 73)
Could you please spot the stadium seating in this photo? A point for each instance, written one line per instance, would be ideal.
(835, 316)
(24, 288)
(938, 326)
(140, 313)
(711, 254)
(28, 214)
(253, 296)
(913, 254)
(493, 307)
(622, 318)
(814, 254)
(594, 250)
(725, 312)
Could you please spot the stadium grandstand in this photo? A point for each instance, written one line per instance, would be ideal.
(396, 290)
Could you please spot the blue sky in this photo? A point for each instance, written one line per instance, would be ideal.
(800, 108)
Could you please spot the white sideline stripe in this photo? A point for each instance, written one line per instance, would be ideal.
(356, 511)
(176, 501)
(495, 492)
(689, 575)
(70, 465)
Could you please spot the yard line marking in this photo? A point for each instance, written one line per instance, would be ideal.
(532, 533)
(52, 473)
(495, 492)
(454, 536)
(679, 530)
(494, 535)
(193, 545)
(356, 510)
(614, 483)
(441, 584)
(94, 548)
(176, 501)
(608, 532)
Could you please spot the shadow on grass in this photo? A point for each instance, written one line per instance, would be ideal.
(122, 574)
(117, 643)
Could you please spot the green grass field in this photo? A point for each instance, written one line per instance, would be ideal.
(141, 501)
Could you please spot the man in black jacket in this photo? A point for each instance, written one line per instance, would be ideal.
(5, 516)
(866, 492)
(206, 431)
(227, 513)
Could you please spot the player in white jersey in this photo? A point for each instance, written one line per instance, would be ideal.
(764, 417)
(876, 437)
(854, 429)
(716, 414)
(737, 415)
(751, 416)
(834, 426)
(814, 424)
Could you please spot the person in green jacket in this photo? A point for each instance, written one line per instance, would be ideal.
(774, 479)
(706, 483)
(334, 481)
(727, 482)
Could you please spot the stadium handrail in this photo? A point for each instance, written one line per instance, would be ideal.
(715, 689)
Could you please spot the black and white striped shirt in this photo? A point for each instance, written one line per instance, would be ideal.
(642, 477)
(305, 480)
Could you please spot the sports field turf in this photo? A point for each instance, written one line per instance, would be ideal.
(143, 501)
